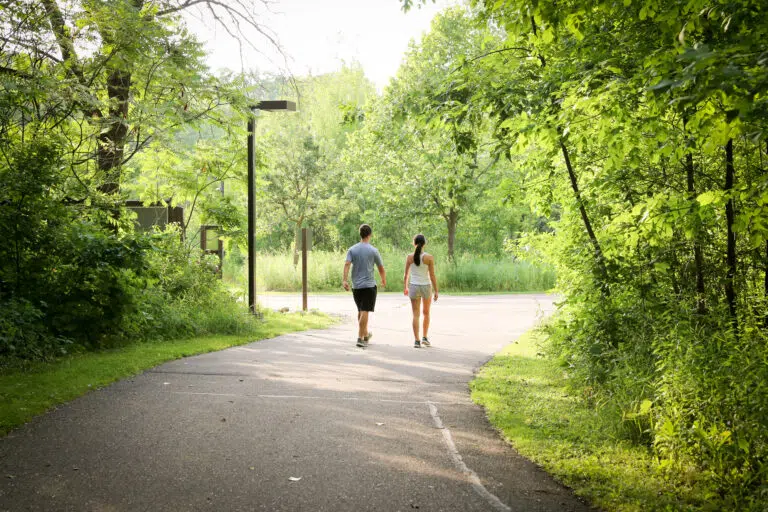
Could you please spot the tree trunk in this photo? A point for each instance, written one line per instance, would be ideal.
(451, 220)
(730, 293)
(297, 242)
(599, 259)
(698, 257)
(765, 320)
(63, 39)
(109, 156)
(114, 128)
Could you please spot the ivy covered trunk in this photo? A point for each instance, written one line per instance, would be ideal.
(111, 142)
(730, 291)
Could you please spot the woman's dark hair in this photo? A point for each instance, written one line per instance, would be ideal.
(365, 231)
(419, 240)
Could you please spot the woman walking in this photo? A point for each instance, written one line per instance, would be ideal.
(420, 268)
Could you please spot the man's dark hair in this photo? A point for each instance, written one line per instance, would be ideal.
(365, 231)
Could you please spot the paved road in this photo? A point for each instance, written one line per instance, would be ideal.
(302, 422)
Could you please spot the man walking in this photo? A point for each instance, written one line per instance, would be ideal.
(361, 257)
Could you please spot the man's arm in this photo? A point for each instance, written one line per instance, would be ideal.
(383, 276)
(380, 264)
(344, 282)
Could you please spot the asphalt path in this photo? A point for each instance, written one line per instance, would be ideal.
(302, 422)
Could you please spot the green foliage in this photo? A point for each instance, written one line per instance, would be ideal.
(69, 275)
(96, 99)
(68, 283)
(411, 159)
(639, 129)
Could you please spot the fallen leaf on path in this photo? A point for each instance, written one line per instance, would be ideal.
(166, 383)
(252, 468)
(294, 478)
(378, 424)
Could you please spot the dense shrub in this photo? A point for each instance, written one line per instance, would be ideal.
(684, 384)
(74, 278)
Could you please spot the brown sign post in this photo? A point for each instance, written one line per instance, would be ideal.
(304, 268)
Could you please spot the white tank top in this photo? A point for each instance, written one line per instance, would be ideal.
(420, 273)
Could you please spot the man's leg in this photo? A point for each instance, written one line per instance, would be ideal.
(362, 324)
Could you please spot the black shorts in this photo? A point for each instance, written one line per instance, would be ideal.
(365, 298)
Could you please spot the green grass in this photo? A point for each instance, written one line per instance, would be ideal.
(468, 273)
(33, 389)
(526, 398)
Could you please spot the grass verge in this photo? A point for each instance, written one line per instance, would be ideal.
(526, 398)
(32, 390)
(468, 273)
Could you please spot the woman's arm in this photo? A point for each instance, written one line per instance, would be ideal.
(408, 261)
(431, 268)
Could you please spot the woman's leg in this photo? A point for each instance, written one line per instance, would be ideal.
(416, 307)
(427, 307)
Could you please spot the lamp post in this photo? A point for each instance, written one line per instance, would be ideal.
(268, 106)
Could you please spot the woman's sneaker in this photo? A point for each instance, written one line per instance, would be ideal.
(360, 343)
(366, 339)
(425, 342)
(416, 344)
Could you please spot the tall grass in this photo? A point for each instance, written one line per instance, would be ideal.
(468, 273)
(471, 274)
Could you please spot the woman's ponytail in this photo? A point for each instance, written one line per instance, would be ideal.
(419, 240)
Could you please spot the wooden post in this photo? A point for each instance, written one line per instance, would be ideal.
(304, 268)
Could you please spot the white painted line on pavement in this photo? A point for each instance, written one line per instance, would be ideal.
(477, 485)
(309, 397)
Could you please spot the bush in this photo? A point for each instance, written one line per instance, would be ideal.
(184, 297)
(82, 280)
(23, 333)
(682, 384)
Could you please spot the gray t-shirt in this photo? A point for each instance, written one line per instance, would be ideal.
(363, 256)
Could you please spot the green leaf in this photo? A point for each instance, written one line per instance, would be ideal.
(708, 198)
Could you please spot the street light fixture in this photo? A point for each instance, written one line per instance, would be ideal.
(268, 106)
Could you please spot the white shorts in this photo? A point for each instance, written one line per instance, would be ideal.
(419, 291)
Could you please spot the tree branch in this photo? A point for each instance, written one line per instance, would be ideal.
(484, 55)
(32, 48)
(15, 72)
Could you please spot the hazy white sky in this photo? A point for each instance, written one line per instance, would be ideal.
(318, 35)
